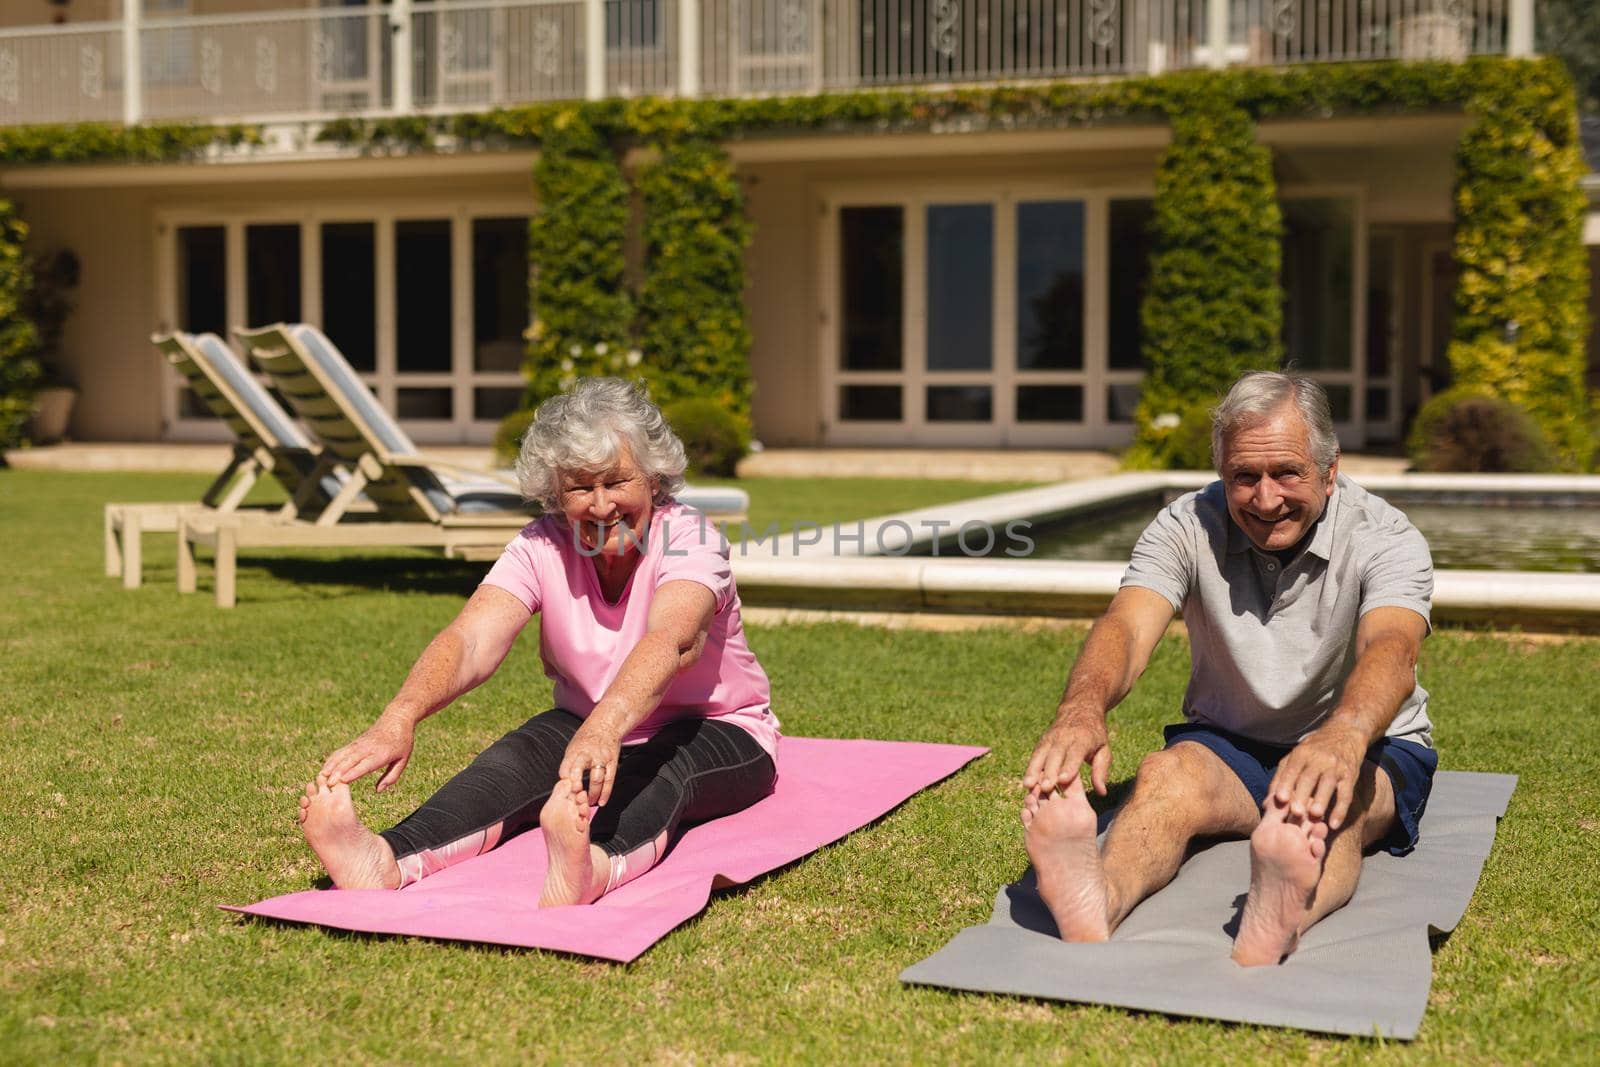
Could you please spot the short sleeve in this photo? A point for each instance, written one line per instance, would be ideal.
(1399, 571)
(1163, 558)
(695, 551)
(517, 569)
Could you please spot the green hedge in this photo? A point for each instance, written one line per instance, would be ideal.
(19, 371)
(1213, 308)
(1521, 317)
(583, 313)
(692, 319)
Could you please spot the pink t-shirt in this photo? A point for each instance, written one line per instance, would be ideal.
(583, 639)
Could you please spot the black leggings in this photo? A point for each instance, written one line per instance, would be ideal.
(691, 770)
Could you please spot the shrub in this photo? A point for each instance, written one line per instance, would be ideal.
(1213, 308)
(508, 435)
(1175, 440)
(712, 436)
(1469, 429)
(583, 313)
(1521, 318)
(19, 370)
(692, 316)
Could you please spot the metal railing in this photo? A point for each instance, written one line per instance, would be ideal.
(442, 55)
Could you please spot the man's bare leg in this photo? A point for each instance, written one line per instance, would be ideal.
(1180, 793)
(354, 857)
(1299, 872)
(1058, 830)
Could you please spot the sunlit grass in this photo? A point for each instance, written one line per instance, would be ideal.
(152, 747)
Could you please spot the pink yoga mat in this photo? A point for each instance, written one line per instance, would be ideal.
(825, 790)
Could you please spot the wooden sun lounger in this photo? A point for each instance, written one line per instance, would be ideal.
(267, 442)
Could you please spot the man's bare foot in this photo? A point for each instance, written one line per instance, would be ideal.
(570, 877)
(1059, 832)
(1286, 854)
(354, 857)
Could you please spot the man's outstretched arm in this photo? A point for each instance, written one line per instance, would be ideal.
(1115, 653)
(1319, 774)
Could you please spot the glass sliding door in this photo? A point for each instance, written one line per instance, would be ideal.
(1049, 334)
(422, 319)
(431, 310)
(871, 338)
(500, 313)
(202, 296)
(959, 338)
(350, 290)
(1318, 277)
(272, 273)
(966, 319)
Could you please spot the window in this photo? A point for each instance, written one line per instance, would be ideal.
(430, 309)
(964, 320)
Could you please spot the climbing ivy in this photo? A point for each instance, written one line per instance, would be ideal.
(19, 370)
(692, 326)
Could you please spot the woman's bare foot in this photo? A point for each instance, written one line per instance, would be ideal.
(570, 877)
(354, 857)
(1286, 854)
(1059, 832)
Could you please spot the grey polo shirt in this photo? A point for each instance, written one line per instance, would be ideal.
(1271, 644)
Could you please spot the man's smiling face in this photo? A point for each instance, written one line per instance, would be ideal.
(1275, 491)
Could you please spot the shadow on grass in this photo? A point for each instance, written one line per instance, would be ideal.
(405, 574)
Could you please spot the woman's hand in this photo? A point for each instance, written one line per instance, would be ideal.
(386, 743)
(596, 749)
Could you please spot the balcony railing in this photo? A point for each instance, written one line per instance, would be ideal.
(446, 55)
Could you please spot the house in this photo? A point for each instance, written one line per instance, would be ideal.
(938, 286)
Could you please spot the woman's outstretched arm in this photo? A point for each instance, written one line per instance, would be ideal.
(461, 657)
(675, 635)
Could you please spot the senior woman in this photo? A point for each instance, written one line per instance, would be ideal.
(662, 712)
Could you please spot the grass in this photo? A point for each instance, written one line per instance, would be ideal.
(154, 746)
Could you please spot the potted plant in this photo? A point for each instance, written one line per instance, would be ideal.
(47, 305)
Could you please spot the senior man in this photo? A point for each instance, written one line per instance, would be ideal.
(1306, 600)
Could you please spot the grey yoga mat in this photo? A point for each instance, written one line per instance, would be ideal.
(1365, 969)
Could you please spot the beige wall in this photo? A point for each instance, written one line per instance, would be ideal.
(783, 305)
(114, 232)
(103, 344)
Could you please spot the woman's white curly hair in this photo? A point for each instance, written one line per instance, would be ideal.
(584, 431)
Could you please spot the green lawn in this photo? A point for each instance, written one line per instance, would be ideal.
(155, 745)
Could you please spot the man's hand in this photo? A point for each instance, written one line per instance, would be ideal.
(1078, 736)
(596, 749)
(386, 743)
(1320, 772)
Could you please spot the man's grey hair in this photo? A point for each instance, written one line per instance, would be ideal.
(1258, 395)
(584, 431)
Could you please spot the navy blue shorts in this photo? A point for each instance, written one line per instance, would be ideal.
(1410, 768)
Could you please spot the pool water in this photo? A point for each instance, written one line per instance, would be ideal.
(1462, 536)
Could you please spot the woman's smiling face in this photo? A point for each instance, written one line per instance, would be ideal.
(1275, 491)
(609, 509)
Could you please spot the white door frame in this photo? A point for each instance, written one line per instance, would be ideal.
(386, 380)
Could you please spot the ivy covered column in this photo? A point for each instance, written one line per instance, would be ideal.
(1213, 308)
(1521, 315)
(693, 325)
(19, 371)
(583, 315)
